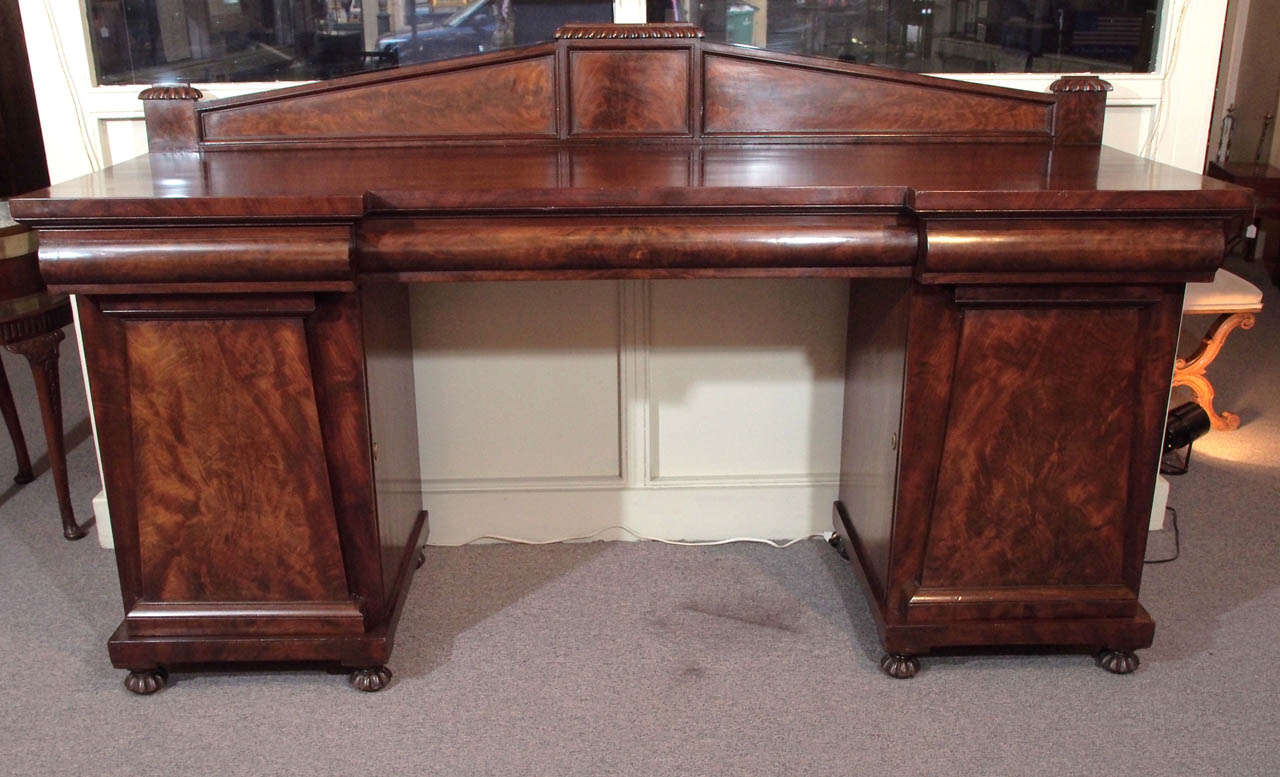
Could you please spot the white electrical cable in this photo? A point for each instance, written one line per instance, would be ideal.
(90, 151)
(1161, 118)
(637, 535)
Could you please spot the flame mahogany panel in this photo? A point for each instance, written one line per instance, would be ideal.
(1034, 482)
(748, 96)
(629, 92)
(337, 352)
(298, 573)
(1028, 450)
(514, 98)
(232, 491)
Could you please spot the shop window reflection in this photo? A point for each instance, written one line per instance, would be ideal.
(152, 41)
(938, 36)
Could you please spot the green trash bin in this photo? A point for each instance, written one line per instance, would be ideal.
(739, 23)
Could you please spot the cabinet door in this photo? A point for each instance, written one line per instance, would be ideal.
(1031, 443)
(235, 449)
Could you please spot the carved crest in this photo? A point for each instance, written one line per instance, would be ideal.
(627, 31)
(170, 92)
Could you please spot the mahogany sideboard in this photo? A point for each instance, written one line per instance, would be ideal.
(1015, 304)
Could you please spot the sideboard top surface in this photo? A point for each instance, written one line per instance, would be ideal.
(347, 185)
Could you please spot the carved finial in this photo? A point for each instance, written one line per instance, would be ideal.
(628, 31)
(170, 92)
(1079, 84)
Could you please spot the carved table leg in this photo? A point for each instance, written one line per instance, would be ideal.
(1191, 372)
(145, 682)
(1118, 661)
(42, 353)
(10, 414)
(370, 679)
(900, 667)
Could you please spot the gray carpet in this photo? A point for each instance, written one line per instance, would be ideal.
(643, 659)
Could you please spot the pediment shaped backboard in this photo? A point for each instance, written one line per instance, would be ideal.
(746, 94)
(513, 98)
(610, 82)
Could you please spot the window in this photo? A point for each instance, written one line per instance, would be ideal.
(152, 41)
(941, 36)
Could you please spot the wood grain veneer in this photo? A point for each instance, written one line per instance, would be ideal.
(629, 92)
(157, 619)
(987, 245)
(388, 350)
(247, 478)
(457, 103)
(751, 96)
(602, 81)
(295, 185)
(649, 243)
(170, 110)
(875, 370)
(1018, 497)
(185, 254)
(1080, 111)
(1015, 448)
(336, 351)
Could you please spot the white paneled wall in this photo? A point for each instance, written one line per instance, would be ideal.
(518, 384)
(745, 381)
(679, 409)
(122, 139)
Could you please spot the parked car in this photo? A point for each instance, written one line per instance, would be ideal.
(468, 30)
(431, 15)
(423, 12)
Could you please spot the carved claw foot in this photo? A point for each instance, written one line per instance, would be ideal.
(24, 477)
(370, 679)
(146, 681)
(1118, 661)
(900, 667)
(74, 531)
(422, 558)
(837, 542)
